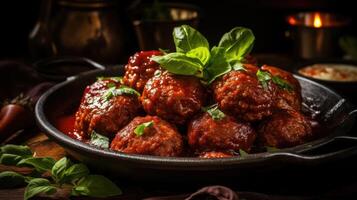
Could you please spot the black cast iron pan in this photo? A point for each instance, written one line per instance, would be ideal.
(333, 111)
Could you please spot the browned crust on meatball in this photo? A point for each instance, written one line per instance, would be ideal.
(286, 99)
(140, 69)
(172, 97)
(240, 94)
(207, 134)
(285, 128)
(160, 139)
(106, 117)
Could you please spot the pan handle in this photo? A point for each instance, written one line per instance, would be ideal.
(317, 159)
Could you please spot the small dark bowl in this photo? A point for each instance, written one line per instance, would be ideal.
(347, 89)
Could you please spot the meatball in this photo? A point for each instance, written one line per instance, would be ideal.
(207, 134)
(215, 154)
(105, 116)
(286, 98)
(160, 139)
(140, 69)
(240, 94)
(174, 98)
(285, 128)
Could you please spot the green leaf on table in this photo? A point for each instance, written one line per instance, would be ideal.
(217, 66)
(40, 164)
(263, 77)
(99, 140)
(10, 159)
(23, 151)
(59, 169)
(140, 129)
(10, 179)
(39, 186)
(180, 63)
(187, 38)
(214, 112)
(238, 43)
(96, 186)
(75, 172)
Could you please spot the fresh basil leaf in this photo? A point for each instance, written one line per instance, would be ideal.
(23, 151)
(272, 149)
(187, 38)
(75, 172)
(242, 153)
(214, 112)
(96, 186)
(39, 186)
(238, 66)
(218, 65)
(60, 168)
(202, 53)
(112, 92)
(111, 85)
(238, 43)
(40, 164)
(9, 159)
(164, 51)
(282, 83)
(9, 179)
(179, 63)
(139, 130)
(99, 140)
(264, 78)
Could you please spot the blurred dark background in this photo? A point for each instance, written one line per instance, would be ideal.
(265, 17)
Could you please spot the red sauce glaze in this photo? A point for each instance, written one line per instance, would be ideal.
(66, 125)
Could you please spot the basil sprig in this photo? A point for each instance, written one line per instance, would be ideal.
(264, 77)
(193, 55)
(139, 130)
(113, 91)
(64, 176)
(99, 140)
(214, 112)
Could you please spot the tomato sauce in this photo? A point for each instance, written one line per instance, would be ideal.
(66, 125)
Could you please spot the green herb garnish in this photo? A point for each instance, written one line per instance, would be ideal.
(112, 92)
(99, 140)
(214, 112)
(243, 153)
(193, 56)
(139, 130)
(52, 178)
(264, 77)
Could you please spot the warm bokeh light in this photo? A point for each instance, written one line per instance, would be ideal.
(317, 20)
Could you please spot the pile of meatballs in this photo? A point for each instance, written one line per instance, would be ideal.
(255, 116)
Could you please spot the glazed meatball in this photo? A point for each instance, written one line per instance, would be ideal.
(207, 134)
(215, 154)
(285, 128)
(286, 98)
(140, 69)
(240, 94)
(105, 116)
(174, 98)
(160, 139)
